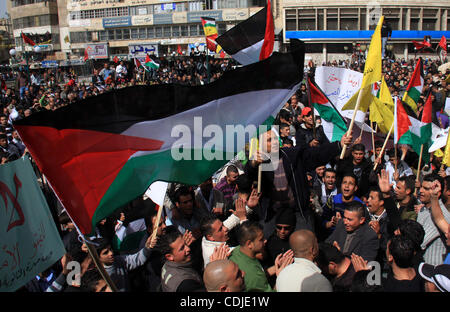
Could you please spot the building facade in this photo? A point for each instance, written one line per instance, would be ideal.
(337, 30)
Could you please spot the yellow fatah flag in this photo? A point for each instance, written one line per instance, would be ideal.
(366, 99)
(372, 68)
(385, 95)
(446, 159)
(379, 113)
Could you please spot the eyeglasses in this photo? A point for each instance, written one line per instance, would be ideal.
(283, 227)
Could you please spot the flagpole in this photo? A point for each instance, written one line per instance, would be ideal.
(312, 108)
(358, 102)
(373, 138)
(384, 146)
(158, 218)
(259, 178)
(418, 168)
(92, 252)
(395, 151)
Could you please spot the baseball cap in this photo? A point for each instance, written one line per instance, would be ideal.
(438, 275)
(306, 111)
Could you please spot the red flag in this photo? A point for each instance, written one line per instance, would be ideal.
(4, 86)
(269, 36)
(116, 59)
(86, 56)
(421, 45)
(28, 40)
(179, 50)
(443, 43)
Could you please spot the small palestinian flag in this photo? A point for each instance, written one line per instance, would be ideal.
(251, 40)
(149, 62)
(210, 29)
(137, 63)
(86, 55)
(28, 40)
(415, 86)
(111, 147)
(333, 124)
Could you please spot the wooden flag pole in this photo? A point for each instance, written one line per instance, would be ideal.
(158, 218)
(358, 102)
(259, 178)
(373, 138)
(384, 146)
(360, 135)
(418, 168)
(395, 151)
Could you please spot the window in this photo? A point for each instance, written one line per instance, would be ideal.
(103, 36)
(184, 31)
(126, 34)
(332, 19)
(119, 34)
(142, 33)
(193, 30)
(150, 32)
(158, 32)
(111, 34)
(307, 19)
(319, 19)
(362, 19)
(134, 33)
(167, 31)
(349, 19)
(176, 31)
(291, 19)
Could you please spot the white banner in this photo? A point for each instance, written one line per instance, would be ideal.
(339, 85)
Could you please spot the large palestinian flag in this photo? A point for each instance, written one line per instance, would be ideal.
(251, 40)
(415, 86)
(102, 152)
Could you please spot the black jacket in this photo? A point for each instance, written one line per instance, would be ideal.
(362, 171)
(296, 162)
(303, 136)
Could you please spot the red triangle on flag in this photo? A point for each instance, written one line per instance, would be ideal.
(403, 122)
(147, 59)
(427, 110)
(86, 55)
(28, 40)
(443, 43)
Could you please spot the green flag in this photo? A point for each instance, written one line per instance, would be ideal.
(30, 242)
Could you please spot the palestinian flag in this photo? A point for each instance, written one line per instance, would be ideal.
(332, 122)
(28, 40)
(442, 49)
(127, 238)
(86, 55)
(408, 130)
(137, 63)
(102, 152)
(149, 62)
(421, 45)
(251, 40)
(415, 86)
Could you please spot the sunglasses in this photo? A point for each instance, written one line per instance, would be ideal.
(282, 227)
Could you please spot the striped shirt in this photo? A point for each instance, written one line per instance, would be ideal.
(434, 247)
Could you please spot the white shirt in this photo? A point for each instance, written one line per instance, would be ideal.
(302, 276)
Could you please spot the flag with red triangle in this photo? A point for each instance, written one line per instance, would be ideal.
(443, 43)
(333, 124)
(116, 59)
(28, 40)
(415, 86)
(179, 50)
(86, 55)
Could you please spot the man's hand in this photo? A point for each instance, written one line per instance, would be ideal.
(314, 143)
(383, 182)
(217, 210)
(357, 140)
(220, 253)
(335, 244)
(418, 207)
(435, 190)
(240, 211)
(442, 172)
(188, 238)
(151, 243)
(283, 260)
(375, 225)
(64, 261)
(253, 199)
(359, 264)
(346, 139)
(396, 175)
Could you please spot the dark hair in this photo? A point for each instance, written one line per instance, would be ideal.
(148, 219)
(285, 114)
(100, 244)
(248, 231)
(391, 153)
(360, 284)
(377, 190)
(329, 170)
(350, 174)
(244, 184)
(89, 280)
(286, 140)
(378, 144)
(232, 168)
(167, 239)
(402, 250)
(434, 177)
(414, 231)
(357, 207)
(283, 125)
(410, 183)
(328, 253)
(206, 223)
(182, 191)
(359, 147)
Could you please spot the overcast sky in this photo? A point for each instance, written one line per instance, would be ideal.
(2, 8)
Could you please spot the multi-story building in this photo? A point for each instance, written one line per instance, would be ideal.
(333, 29)
(38, 19)
(127, 28)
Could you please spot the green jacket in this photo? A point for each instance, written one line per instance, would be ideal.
(255, 278)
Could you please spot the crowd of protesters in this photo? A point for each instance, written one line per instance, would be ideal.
(315, 226)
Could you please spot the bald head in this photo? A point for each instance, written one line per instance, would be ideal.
(304, 244)
(222, 276)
